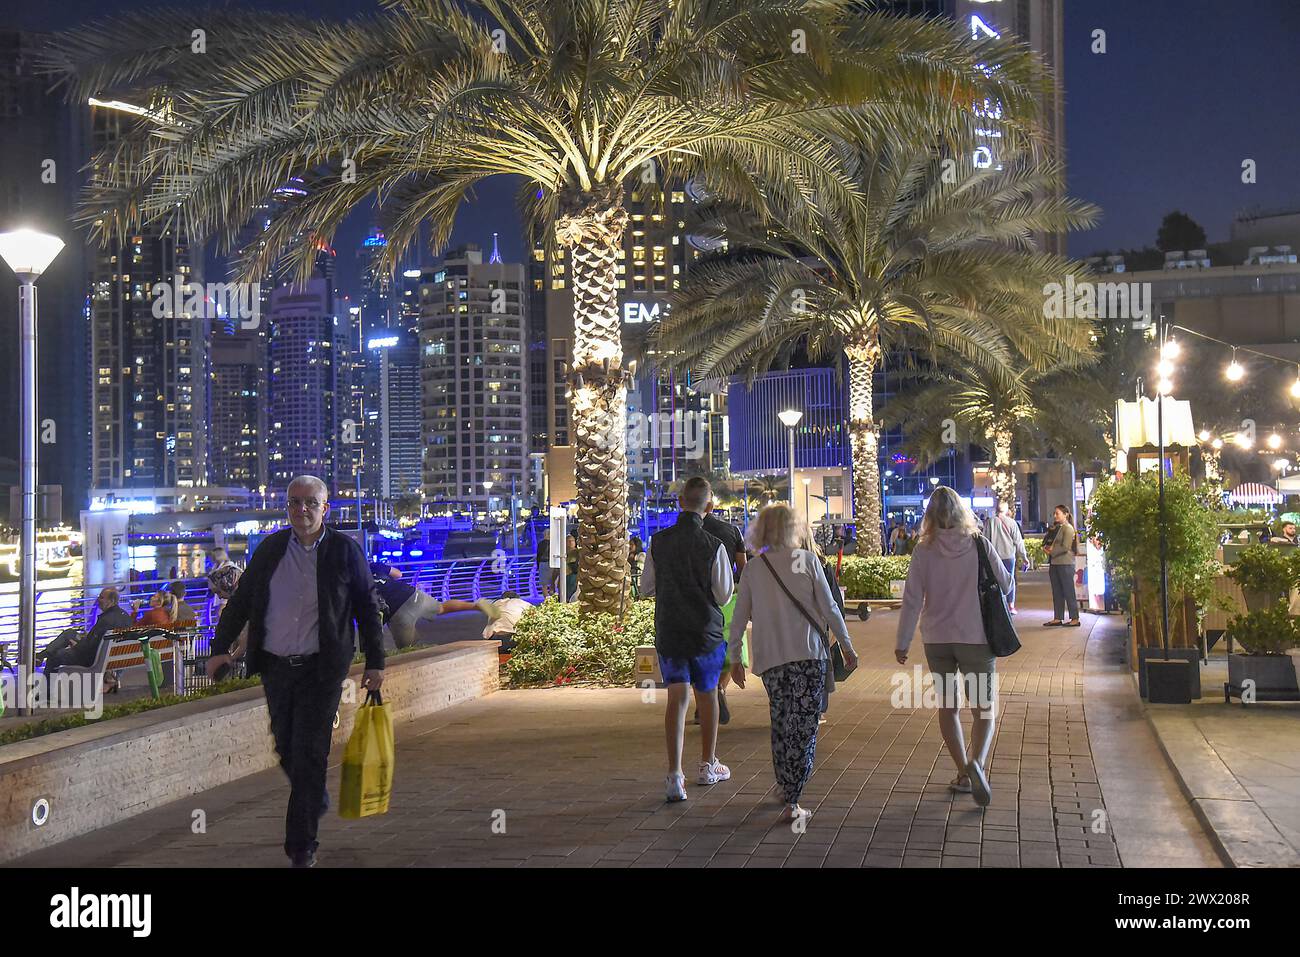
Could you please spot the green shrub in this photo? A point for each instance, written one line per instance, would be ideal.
(1270, 632)
(1261, 568)
(1125, 517)
(868, 576)
(553, 645)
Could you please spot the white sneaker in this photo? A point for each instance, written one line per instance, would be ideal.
(676, 787)
(713, 773)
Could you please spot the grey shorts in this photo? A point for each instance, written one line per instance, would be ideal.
(975, 666)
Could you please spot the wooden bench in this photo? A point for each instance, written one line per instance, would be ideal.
(120, 651)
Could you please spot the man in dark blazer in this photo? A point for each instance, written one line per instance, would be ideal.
(303, 589)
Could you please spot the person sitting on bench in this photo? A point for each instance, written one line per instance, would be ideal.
(503, 615)
(81, 652)
(185, 613)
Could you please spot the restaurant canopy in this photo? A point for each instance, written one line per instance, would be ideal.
(1135, 427)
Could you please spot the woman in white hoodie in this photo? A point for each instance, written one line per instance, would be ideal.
(941, 592)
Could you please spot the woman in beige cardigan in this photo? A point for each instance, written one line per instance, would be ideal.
(1060, 569)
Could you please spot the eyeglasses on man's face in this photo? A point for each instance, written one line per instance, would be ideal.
(305, 504)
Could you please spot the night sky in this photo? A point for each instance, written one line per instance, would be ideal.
(1186, 90)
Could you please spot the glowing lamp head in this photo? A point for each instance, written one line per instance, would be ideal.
(1165, 386)
(1204, 435)
(1165, 368)
(1242, 440)
(1234, 372)
(1170, 349)
(1275, 441)
(1216, 444)
(28, 252)
(1295, 388)
(790, 417)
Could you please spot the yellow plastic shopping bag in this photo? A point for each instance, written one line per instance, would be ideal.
(368, 761)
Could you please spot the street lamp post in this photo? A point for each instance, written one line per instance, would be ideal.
(28, 254)
(807, 508)
(790, 418)
(1163, 385)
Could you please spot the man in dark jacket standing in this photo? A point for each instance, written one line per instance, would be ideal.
(688, 573)
(303, 588)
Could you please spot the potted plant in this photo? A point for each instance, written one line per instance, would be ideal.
(1266, 576)
(1124, 516)
(1265, 672)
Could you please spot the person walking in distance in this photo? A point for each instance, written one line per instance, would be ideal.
(688, 573)
(1003, 533)
(730, 536)
(300, 594)
(547, 577)
(1064, 546)
(942, 593)
(787, 599)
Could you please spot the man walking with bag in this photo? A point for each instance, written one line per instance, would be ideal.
(688, 573)
(303, 589)
(1003, 534)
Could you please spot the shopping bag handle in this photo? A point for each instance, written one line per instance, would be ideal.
(374, 696)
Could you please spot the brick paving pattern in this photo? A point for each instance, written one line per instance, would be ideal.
(574, 778)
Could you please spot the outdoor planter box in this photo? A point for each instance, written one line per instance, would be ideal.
(1273, 677)
(1191, 655)
(86, 778)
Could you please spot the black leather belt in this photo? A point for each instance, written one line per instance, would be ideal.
(294, 661)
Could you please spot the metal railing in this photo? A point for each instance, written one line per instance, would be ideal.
(60, 606)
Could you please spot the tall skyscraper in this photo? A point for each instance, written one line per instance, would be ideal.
(391, 423)
(44, 142)
(237, 416)
(149, 359)
(376, 285)
(475, 375)
(306, 431)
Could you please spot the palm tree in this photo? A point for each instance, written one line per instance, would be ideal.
(921, 261)
(769, 486)
(1062, 411)
(580, 98)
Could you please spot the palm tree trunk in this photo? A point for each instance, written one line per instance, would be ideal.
(1003, 476)
(591, 226)
(864, 442)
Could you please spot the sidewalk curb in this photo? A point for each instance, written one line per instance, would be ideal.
(1241, 833)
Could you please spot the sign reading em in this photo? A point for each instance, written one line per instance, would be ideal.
(643, 312)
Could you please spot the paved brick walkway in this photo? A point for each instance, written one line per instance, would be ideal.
(575, 777)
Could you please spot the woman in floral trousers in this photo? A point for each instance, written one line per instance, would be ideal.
(782, 593)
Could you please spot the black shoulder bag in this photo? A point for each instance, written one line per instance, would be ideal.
(998, 630)
(839, 669)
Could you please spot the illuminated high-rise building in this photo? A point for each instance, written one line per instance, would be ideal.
(149, 359)
(472, 320)
(307, 428)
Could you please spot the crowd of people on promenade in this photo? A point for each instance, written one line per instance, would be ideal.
(727, 605)
(783, 618)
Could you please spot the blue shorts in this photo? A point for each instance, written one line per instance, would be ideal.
(702, 671)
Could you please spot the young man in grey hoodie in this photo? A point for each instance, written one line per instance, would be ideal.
(1003, 534)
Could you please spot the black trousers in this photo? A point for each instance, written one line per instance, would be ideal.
(60, 653)
(302, 704)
